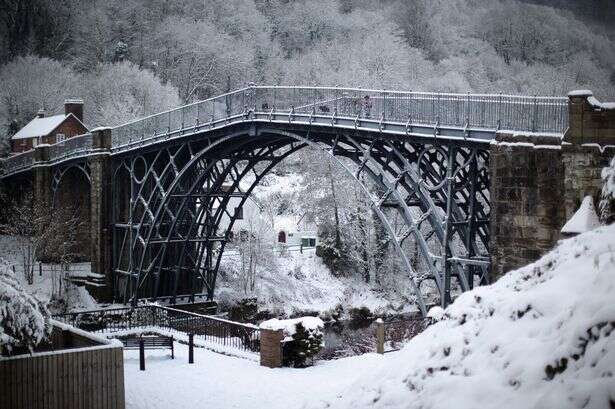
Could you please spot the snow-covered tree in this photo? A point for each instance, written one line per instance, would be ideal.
(24, 320)
(118, 93)
(255, 249)
(607, 199)
(30, 83)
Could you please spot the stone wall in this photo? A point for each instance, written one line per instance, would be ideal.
(589, 144)
(526, 194)
(590, 121)
(539, 181)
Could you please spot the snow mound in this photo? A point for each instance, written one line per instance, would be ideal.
(289, 327)
(436, 313)
(543, 336)
(584, 219)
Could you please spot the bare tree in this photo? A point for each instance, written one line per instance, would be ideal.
(42, 233)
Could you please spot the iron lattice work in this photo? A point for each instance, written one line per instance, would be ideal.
(175, 206)
(59, 172)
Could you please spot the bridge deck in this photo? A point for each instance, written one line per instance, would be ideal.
(468, 117)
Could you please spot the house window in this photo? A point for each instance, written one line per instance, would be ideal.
(60, 137)
(282, 237)
(308, 242)
(34, 142)
(239, 213)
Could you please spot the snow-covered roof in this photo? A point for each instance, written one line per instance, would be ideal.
(42, 126)
(291, 224)
(584, 219)
(285, 223)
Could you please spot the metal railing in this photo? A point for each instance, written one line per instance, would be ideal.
(218, 110)
(219, 332)
(17, 162)
(71, 147)
(372, 109)
(304, 104)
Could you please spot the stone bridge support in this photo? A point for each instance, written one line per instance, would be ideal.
(99, 230)
(100, 208)
(42, 192)
(538, 181)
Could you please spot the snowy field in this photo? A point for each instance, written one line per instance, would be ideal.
(219, 381)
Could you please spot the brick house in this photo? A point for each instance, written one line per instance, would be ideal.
(50, 129)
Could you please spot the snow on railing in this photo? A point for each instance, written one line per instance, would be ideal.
(480, 111)
(70, 147)
(212, 331)
(18, 162)
(219, 109)
(303, 104)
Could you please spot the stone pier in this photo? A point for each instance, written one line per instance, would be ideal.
(538, 181)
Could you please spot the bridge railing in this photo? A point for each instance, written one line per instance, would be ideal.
(209, 112)
(491, 111)
(484, 111)
(17, 162)
(71, 147)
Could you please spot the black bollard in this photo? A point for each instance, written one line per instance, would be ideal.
(190, 348)
(141, 355)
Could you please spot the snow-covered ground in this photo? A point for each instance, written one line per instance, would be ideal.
(219, 381)
(542, 336)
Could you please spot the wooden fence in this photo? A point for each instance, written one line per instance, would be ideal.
(87, 373)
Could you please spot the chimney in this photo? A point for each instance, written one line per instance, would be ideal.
(75, 107)
(40, 113)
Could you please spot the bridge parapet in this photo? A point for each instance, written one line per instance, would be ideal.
(447, 115)
(18, 163)
(382, 110)
(71, 147)
(591, 121)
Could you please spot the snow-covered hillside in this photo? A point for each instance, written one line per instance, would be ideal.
(301, 282)
(542, 336)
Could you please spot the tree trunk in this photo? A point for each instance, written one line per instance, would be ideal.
(336, 214)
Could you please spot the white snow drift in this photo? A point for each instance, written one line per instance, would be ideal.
(542, 336)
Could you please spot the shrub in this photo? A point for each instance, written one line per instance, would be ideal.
(305, 344)
(303, 339)
(24, 320)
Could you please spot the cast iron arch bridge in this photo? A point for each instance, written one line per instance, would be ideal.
(422, 158)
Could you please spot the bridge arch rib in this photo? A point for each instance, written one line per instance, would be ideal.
(70, 203)
(174, 227)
